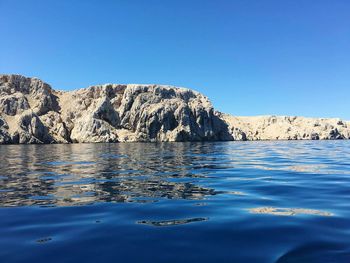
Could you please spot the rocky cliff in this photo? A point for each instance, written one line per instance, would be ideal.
(32, 112)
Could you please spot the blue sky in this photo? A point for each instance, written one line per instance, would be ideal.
(289, 57)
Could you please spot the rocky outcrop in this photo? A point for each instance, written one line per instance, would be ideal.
(32, 112)
(286, 128)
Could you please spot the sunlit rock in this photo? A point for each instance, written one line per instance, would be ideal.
(32, 112)
(286, 128)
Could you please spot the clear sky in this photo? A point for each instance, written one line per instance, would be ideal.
(289, 57)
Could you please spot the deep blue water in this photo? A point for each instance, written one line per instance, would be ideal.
(176, 202)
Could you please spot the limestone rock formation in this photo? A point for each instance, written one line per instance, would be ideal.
(32, 112)
(286, 128)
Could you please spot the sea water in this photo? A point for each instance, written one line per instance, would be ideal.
(285, 201)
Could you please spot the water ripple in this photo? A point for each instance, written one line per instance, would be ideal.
(214, 202)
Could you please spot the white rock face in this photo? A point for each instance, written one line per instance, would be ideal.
(286, 128)
(32, 112)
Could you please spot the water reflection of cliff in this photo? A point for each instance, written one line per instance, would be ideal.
(86, 173)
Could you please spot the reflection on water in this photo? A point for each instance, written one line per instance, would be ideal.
(203, 202)
(44, 240)
(172, 222)
(288, 211)
(100, 173)
(65, 175)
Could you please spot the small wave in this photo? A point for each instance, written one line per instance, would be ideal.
(317, 252)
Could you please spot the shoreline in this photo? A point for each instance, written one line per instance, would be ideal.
(31, 112)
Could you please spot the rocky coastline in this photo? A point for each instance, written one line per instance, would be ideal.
(31, 112)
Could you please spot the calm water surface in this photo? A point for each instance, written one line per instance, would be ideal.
(176, 202)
